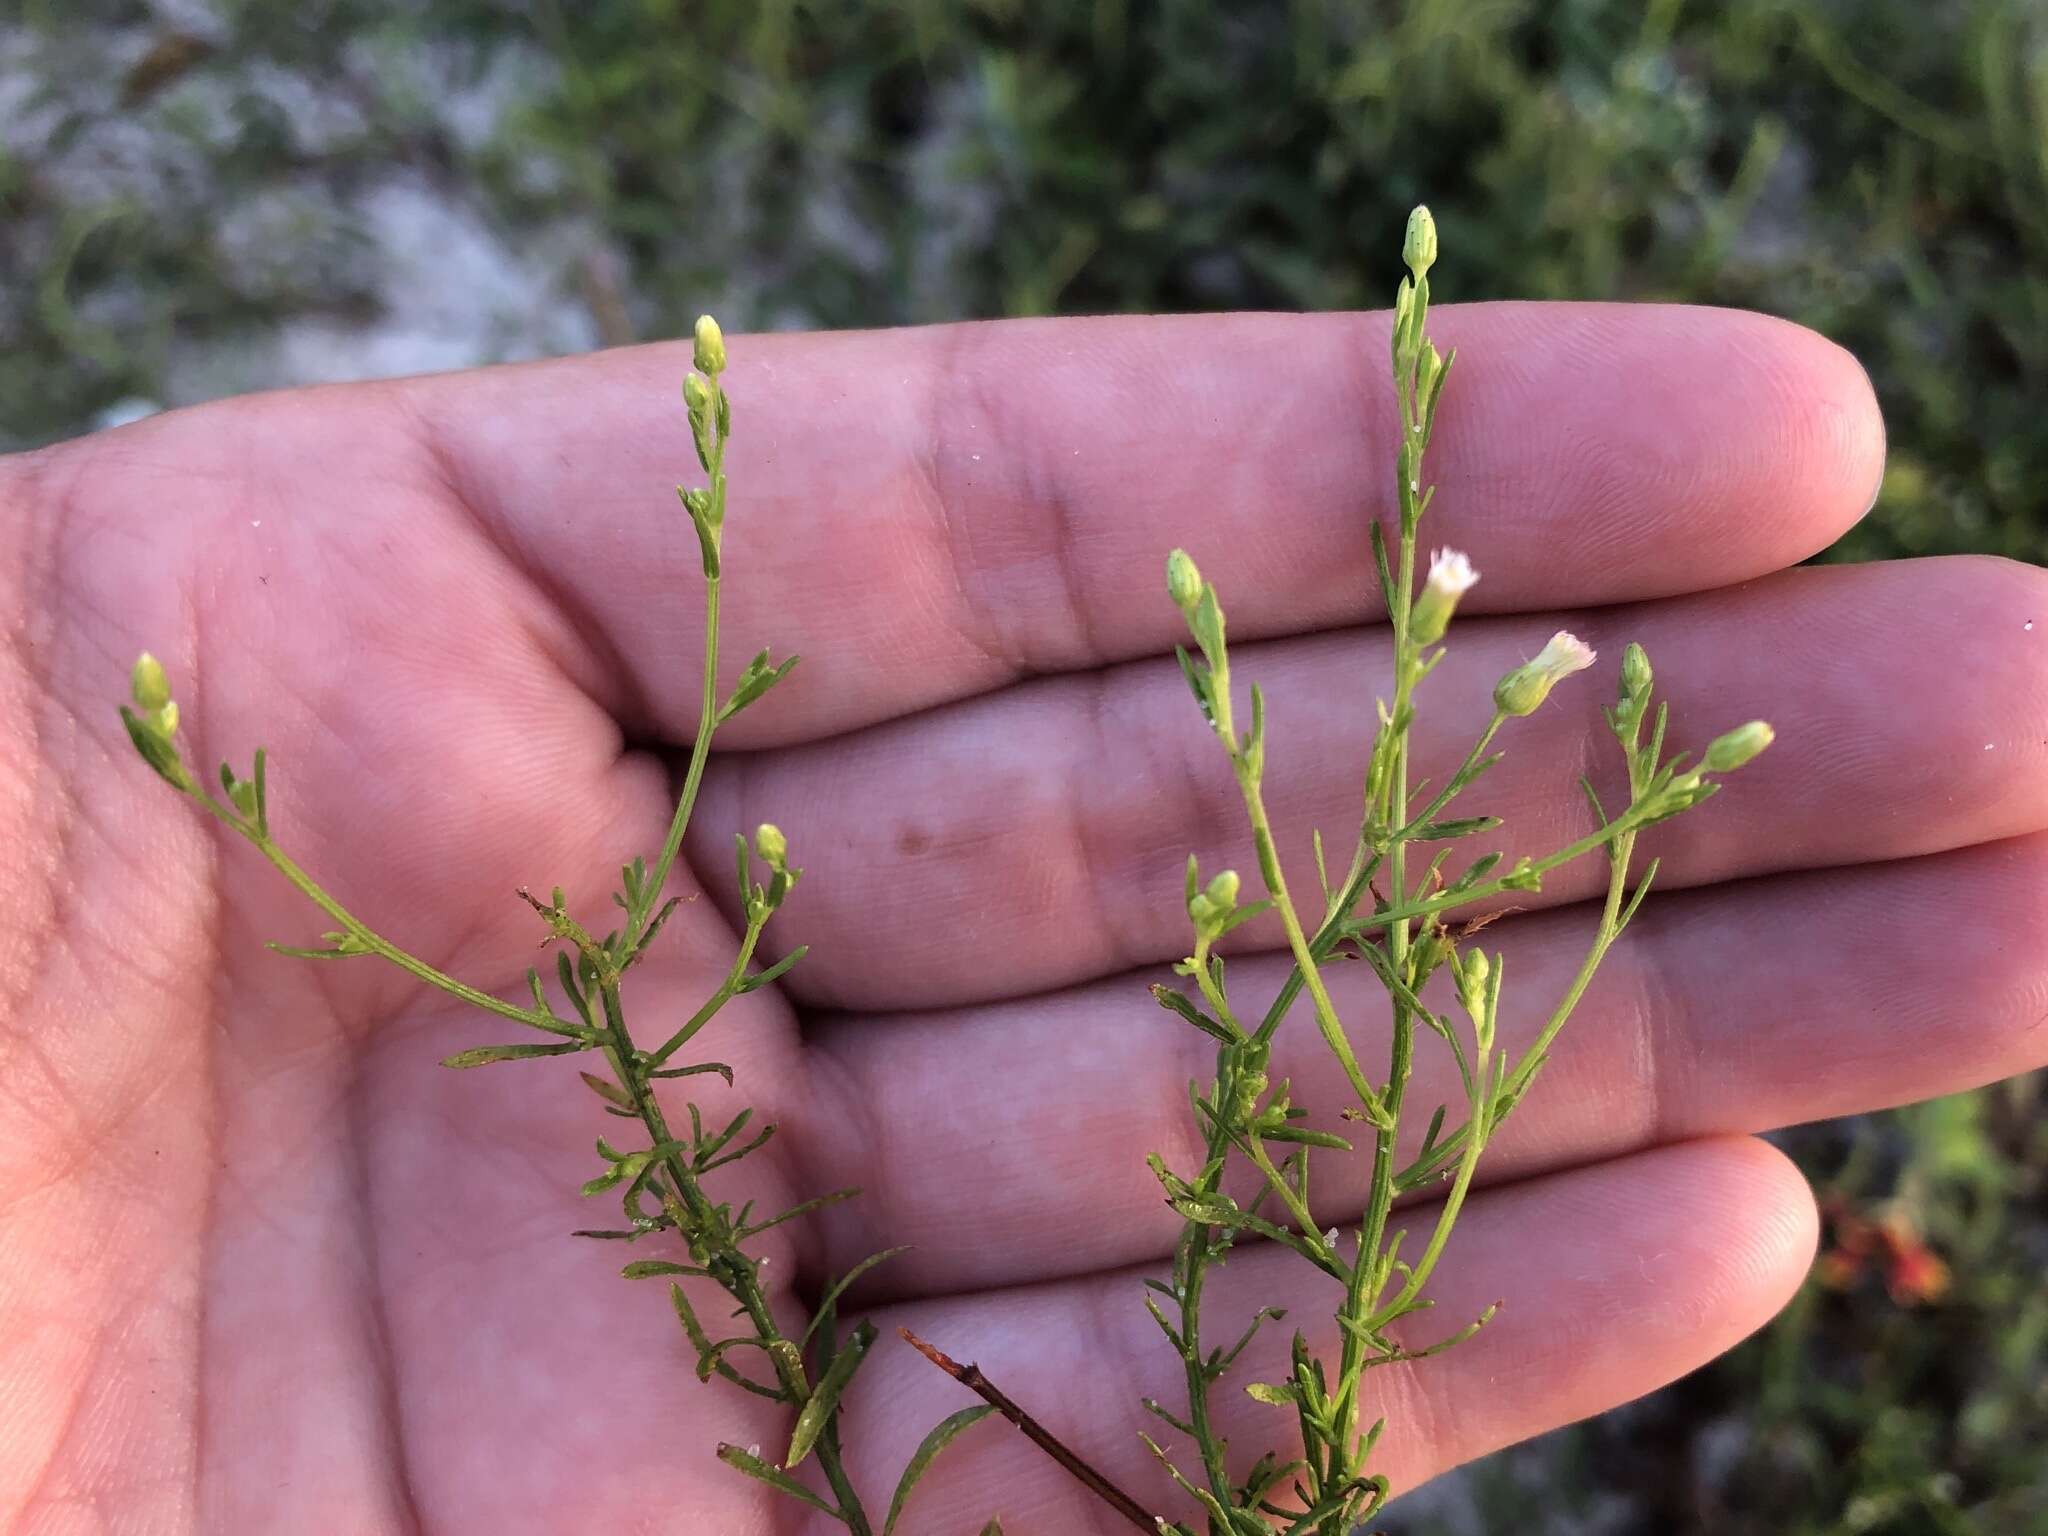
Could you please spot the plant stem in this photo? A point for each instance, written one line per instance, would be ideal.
(372, 941)
(971, 1377)
(697, 1220)
(727, 990)
(693, 776)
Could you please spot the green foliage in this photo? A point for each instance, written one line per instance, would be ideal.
(1872, 168)
(1406, 936)
(672, 1171)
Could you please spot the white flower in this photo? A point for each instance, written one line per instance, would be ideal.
(1529, 684)
(1451, 573)
(1450, 577)
(1565, 653)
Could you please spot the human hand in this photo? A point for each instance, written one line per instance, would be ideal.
(261, 1268)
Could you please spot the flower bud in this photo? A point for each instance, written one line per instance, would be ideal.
(152, 689)
(710, 354)
(1636, 675)
(1419, 249)
(697, 396)
(770, 846)
(1529, 684)
(1473, 970)
(1222, 890)
(1183, 581)
(1450, 577)
(1727, 753)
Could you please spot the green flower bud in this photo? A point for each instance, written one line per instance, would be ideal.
(1474, 968)
(152, 689)
(1450, 577)
(1529, 684)
(710, 355)
(697, 396)
(770, 846)
(1223, 890)
(1727, 753)
(1636, 675)
(1419, 249)
(1183, 581)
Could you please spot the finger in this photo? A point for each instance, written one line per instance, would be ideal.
(1008, 1143)
(926, 514)
(1614, 1280)
(1039, 837)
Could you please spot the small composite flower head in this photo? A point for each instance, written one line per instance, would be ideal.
(1742, 745)
(153, 723)
(1636, 673)
(696, 396)
(1473, 971)
(1450, 577)
(1210, 908)
(1418, 250)
(152, 689)
(710, 346)
(1529, 684)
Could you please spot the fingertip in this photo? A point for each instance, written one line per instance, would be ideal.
(1835, 429)
(1773, 1221)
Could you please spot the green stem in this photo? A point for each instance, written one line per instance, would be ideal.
(372, 941)
(1476, 1133)
(727, 990)
(1305, 965)
(695, 1215)
(693, 776)
(1627, 823)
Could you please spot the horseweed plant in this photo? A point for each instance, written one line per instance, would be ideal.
(663, 1185)
(1408, 933)
(1400, 916)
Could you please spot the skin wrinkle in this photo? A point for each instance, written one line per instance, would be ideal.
(390, 1394)
(949, 401)
(1096, 731)
(1040, 480)
(630, 702)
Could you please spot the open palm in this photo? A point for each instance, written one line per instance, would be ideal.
(262, 1267)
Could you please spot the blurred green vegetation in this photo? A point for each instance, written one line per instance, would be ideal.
(1875, 169)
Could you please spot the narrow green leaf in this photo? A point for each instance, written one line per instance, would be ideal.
(485, 1055)
(698, 1070)
(261, 780)
(824, 1399)
(774, 1477)
(1443, 831)
(838, 1288)
(1383, 567)
(1176, 1001)
(647, 1269)
(775, 972)
(1278, 1397)
(1198, 683)
(942, 1435)
(566, 973)
(795, 1211)
(1302, 1136)
(607, 1090)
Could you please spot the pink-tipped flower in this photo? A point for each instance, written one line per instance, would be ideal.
(1450, 577)
(1529, 684)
